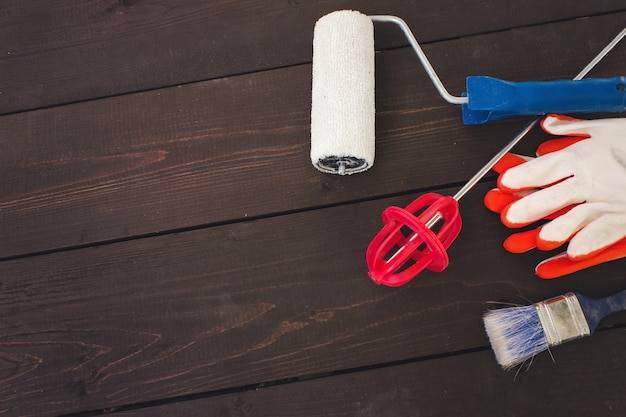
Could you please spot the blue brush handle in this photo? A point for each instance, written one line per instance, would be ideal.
(492, 99)
(595, 309)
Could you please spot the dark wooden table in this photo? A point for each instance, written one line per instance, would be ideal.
(168, 249)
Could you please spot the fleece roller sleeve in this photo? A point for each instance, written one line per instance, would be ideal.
(342, 99)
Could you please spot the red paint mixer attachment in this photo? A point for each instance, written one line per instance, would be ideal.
(409, 241)
(416, 238)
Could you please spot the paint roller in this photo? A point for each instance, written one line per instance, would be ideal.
(343, 83)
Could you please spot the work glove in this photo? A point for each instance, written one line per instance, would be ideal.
(576, 185)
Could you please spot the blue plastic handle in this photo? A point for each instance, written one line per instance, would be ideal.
(595, 309)
(493, 99)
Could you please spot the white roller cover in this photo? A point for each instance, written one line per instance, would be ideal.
(342, 99)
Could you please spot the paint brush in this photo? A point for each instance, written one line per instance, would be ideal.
(517, 334)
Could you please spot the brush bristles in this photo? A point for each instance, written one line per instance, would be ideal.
(515, 334)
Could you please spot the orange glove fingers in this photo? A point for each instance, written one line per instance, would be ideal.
(496, 201)
(560, 265)
(509, 160)
(522, 242)
(553, 145)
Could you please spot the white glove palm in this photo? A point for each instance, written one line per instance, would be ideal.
(590, 173)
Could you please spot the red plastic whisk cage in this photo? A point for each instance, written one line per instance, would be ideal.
(409, 242)
(407, 245)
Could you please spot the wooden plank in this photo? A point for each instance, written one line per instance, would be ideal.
(234, 148)
(587, 378)
(245, 303)
(59, 51)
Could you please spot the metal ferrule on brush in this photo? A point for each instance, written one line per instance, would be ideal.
(562, 319)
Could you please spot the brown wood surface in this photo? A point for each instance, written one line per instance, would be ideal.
(246, 303)
(59, 51)
(168, 249)
(460, 385)
(215, 151)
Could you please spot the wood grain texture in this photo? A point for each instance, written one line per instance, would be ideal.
(59, 51)
(167, 246)
(453, 386)
(222, 150)
(246, 303)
